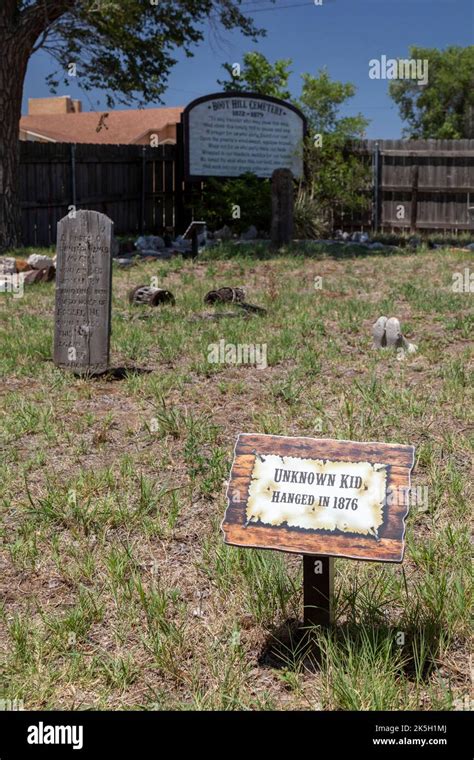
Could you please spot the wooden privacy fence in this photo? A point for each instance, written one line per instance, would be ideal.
(421, 184)
(137, 186)
(417, 185)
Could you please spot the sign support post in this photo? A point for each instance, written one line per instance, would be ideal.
(318, 590)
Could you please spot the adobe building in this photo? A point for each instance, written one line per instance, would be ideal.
(62, 120)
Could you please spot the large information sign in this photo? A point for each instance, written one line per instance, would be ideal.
(229, 134)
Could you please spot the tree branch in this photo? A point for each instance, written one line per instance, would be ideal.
(38, 18)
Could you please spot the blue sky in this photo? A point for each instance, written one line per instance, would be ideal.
(342, 35)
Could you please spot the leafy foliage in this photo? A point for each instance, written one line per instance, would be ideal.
(250, 193)
(444, 108)
(126, 46)
(259, 75)
(337, 178)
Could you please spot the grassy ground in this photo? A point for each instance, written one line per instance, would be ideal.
(118, 591)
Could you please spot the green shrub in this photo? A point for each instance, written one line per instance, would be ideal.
(246, 197)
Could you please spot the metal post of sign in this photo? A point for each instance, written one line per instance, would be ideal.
(194, 242)
(318, 590)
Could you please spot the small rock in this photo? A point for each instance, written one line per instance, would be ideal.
(393, 333)
(149, 243)
(125, 262)
(406, 348)
(250, 234)
(359, 237)
(223, 234)
(376, 246)
(38, 261)
(378, 332)
(409, 348)
(181, 242)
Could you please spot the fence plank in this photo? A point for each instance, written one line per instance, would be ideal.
(108, 178)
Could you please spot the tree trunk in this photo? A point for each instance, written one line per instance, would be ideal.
(19, 31)
(12, 74)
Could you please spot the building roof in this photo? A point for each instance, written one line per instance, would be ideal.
(106, 127)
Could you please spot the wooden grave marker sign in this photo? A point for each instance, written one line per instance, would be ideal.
(321, 498)
(83, 293)
(282, 208)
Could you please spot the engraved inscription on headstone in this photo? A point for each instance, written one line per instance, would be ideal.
(83, 293)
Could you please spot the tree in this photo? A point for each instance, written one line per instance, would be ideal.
(443, 108)
(338, 179)
(258, 75)
(123, 46)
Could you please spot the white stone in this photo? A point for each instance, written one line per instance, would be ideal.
(250, 234)
(223, 234)
(150, 242)
(38, 261)
(393, 333)
(378, 332)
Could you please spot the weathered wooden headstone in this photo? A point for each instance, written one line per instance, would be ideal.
(282, 207)
(83, 293)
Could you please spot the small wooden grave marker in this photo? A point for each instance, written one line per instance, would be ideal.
(83, 293)
(282, 208)
(321, 498)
